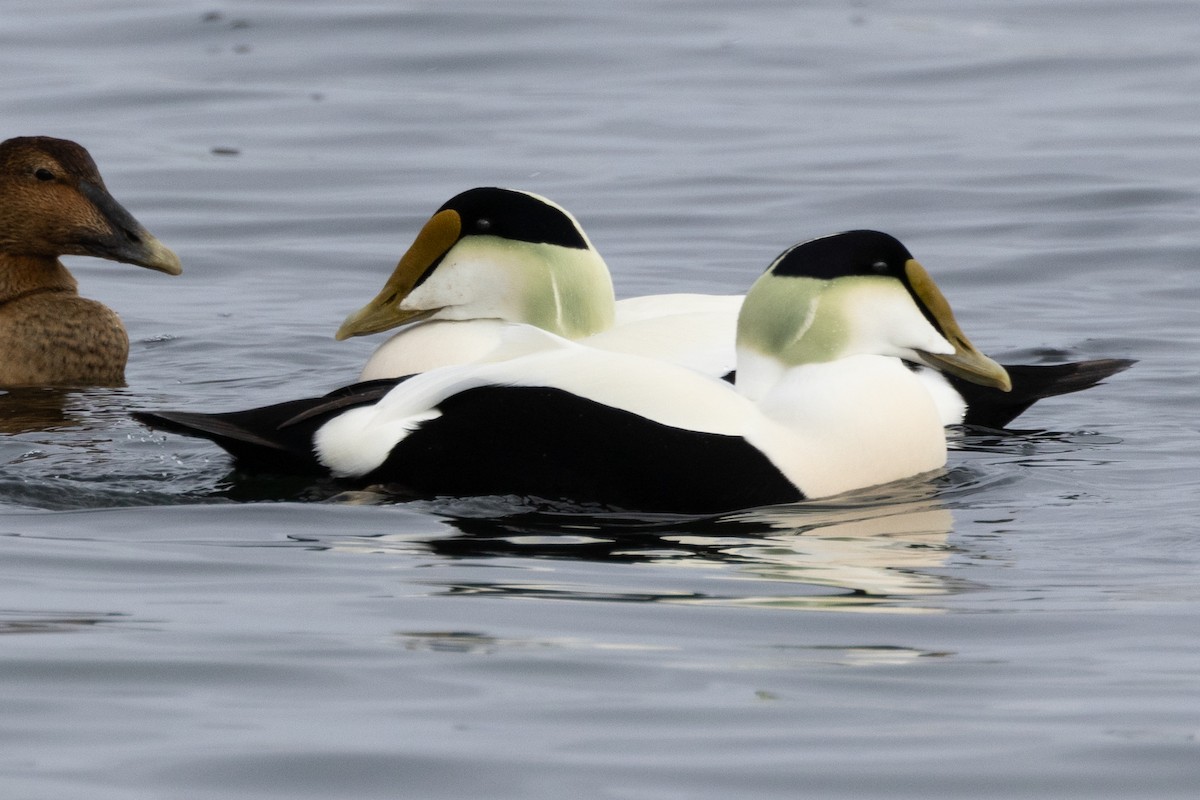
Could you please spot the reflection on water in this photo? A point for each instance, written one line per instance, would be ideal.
(773, 657)
(877, 558)
(865, 551)
(465, 642)
(1034, 444)
(38, 409)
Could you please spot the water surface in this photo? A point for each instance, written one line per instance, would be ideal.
(1021, 625)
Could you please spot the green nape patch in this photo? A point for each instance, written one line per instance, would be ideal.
(570, 293)
(800, 320)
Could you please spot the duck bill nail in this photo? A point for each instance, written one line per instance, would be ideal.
(376, 317)
(971, 365)
(157, 256)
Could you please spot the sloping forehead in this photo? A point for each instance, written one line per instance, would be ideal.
(73, 158)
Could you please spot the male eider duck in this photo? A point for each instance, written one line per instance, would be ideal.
(492, 256)
(823, 403)
(53, 203)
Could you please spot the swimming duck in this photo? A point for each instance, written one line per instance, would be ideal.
(53, 203)
(823, 403)
(491, 256)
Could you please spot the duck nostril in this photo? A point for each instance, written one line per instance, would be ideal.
(132, 236)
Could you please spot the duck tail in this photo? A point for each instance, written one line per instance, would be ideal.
(276, 438)
(991, 408)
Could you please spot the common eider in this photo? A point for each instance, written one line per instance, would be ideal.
(823, 403)
(492, 256)
(53, 202)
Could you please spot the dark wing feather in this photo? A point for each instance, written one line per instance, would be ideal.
(499, 440)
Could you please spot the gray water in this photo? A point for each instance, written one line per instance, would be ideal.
(1023, 625)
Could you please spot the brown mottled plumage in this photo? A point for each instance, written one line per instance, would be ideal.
(53, 203)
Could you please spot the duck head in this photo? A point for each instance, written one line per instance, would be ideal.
(857, 292)
(493, 253)
(55, 203)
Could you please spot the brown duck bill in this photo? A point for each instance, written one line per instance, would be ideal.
(383, 313)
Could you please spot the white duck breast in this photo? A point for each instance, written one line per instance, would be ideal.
(436, 343)
(858, 421)
(829, 323)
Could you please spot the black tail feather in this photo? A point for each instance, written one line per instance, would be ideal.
(276, 438)
(992, 408)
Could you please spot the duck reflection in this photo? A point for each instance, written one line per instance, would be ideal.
(868, 551)
(873, 554)
(28, 410)
(47, 409)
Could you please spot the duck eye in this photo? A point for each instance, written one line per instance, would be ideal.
(879, 267)
(43, 174)
(483, 224)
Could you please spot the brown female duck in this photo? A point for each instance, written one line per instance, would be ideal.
(53, 203)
